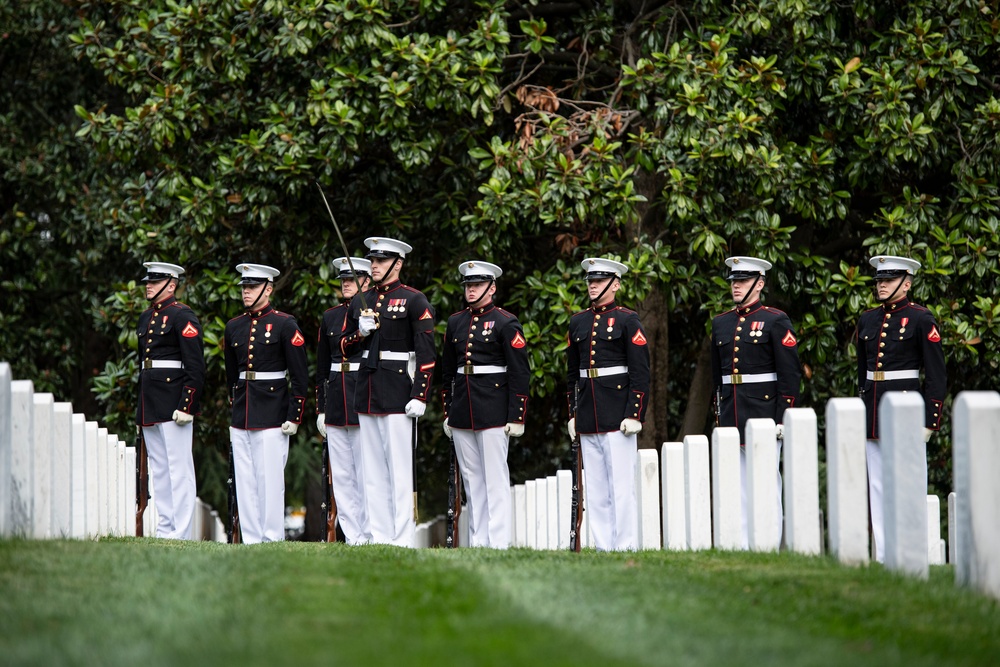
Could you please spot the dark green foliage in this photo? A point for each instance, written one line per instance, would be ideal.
(670, 135)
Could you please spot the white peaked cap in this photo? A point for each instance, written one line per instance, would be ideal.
(747, 267)
(379, 246)
(156, 271)
(475, 271)
(598, 267)
(254, 274)
(892, 265)
(343, 266)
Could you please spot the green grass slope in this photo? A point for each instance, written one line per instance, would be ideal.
(145, 602)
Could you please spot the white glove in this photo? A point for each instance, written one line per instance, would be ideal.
(630, 426)
(182, 418)
(514, 429)
(289, 428)
(321, 423)
(927, 434)
(415, 408)
(446, 428)
(366, 325)
(779, 431)
(571, 428)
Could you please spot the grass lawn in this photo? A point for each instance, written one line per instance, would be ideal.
(144, 602)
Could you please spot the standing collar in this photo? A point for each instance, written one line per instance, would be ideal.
(605, 308)
(382, 289)
(749, 308)
(896, 305)
(169, 301)
(481, 311)
(266, 310)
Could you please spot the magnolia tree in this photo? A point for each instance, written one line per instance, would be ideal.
(531, 134)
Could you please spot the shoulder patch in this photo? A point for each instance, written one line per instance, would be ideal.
(298, 339)
(518, 341)
(934, 336)
(427, 315)
(789, 339)
(638, 338)
(189, 331)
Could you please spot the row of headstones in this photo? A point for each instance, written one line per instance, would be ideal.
(64, 476)
(701, 500)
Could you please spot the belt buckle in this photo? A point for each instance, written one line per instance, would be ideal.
(251, 375)
(737, 379)
(593, 372)
(345, 367)
(147, 363)
(470, 369)
(878, 376)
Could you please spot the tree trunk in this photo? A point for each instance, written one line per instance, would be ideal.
(699, 393)
(656, 324)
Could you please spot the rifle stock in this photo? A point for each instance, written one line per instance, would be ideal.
(413, 438)
(576, 518)
(141, 481)
(577, 510)
(235, 536)
(454, 502)
(329, 502)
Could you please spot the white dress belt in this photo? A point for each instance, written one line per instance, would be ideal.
(882, 376)
(469, 369)
(344, 367)
(390, 356)
(749, 378)
(162, 363)
(262, 375)
(601, 372)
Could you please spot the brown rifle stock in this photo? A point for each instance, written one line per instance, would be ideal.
(330, 502)
(577, 511)
(576, 518)
(235, 536)
(141, 481)
(454, 501)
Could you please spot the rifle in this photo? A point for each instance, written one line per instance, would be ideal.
(329, 502)
(454, 501)
(577, 470)
(234, 533)
(413, 437)
(718, 406)
(141, 481)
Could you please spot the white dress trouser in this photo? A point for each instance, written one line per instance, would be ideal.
(873, 454)
(171, 468)
(259, 459)
(744, 504)
(482, 458)
(347, 473)
(387, 453)
(609, 470)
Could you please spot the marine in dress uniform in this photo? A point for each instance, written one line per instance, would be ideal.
(485, 373)
(171, 377)
(755, 363)
(895, 342)
(268, 377)
(607, 379)
(393, 325)
(336, 378)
